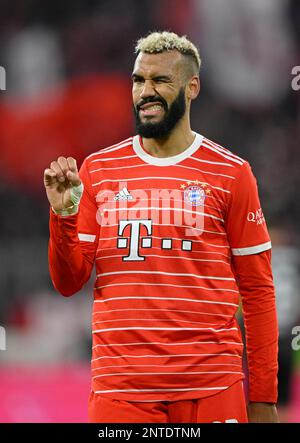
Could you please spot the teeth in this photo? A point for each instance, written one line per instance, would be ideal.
(154, 108)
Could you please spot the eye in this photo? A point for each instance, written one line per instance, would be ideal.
(136, 79)
(161, 79)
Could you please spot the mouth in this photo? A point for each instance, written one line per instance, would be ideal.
(151, 109)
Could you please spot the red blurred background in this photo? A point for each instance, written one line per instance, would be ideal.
(68, 92)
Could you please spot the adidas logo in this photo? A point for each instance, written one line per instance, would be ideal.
(123, 195)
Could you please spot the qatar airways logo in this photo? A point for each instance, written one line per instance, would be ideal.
(168, 207)
(256, 217)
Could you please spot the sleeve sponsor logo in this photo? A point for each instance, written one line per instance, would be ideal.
(256, 217)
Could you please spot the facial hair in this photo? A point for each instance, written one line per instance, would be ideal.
(173, 115)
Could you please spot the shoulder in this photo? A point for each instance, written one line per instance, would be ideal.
(112, 151)
(222, 156)
(93, 162)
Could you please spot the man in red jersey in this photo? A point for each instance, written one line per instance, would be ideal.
(172, 221)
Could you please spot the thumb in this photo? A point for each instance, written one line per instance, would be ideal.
(73, 178)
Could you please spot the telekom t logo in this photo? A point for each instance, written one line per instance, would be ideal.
(135, 235)
(135, 229)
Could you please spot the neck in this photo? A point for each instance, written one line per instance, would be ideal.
(176, 142)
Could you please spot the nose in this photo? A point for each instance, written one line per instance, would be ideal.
(148, 89)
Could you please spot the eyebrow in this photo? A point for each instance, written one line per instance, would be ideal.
(155, 77)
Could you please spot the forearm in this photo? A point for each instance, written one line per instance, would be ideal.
(262, 347)
(70, 266)
(256, 286)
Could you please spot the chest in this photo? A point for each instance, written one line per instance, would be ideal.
(149, 199)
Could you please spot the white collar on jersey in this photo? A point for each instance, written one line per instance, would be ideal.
(166, 161)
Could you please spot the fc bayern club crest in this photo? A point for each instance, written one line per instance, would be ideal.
(195, 192)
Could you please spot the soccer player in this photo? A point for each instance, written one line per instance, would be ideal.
(172, 221)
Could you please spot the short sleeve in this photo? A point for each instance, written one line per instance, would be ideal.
(88, 228)
(246, 227)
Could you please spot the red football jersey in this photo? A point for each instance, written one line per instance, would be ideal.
(163, 232)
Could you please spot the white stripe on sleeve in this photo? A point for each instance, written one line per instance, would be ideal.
(87, 237)
(252, 250)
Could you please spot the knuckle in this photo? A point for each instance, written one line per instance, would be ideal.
(62, 163)
(71, 162)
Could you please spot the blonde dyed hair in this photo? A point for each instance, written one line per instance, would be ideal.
(157, 42)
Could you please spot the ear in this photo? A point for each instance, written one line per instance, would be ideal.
(193, 87)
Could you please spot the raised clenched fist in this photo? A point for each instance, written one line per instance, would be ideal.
(59, 179)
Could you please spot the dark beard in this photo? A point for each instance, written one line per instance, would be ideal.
(168, 123)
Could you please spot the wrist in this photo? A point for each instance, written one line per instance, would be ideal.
(65, 212)
(267, 403)
(75, 196)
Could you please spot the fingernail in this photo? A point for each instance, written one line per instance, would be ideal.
(61, 179)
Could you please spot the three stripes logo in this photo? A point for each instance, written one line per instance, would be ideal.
(124, 194)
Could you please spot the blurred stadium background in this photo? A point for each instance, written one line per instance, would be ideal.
(68, 67)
